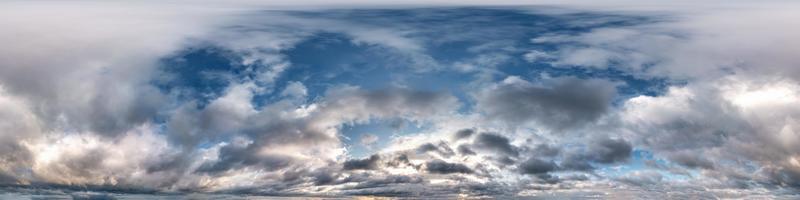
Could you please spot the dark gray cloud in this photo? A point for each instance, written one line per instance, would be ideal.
(401, 161)
(537, 166)
(463, 134)
(7, 179)
(602, 150)
(494, 142)
(607, 150)
(561, 103)
(442, 167)
(442, 148)
(388, 180)
(691, 160)
(465, 150)
(503, 160)
(576, 163)
(783, 176)
(546, 150)
(370, 163)
(426, 148)
(234, 157)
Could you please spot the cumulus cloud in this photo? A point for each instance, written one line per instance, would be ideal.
(367, 163)
(463, 134)
(94, 72)
(561, 103)
(442, 167)
(608, 150)
(537, 166)
(726, 132)
(493, 142)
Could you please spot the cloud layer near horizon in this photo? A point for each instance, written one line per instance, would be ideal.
(575, 100)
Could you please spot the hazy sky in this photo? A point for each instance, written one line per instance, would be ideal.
(441, 99)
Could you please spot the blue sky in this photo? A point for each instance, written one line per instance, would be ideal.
(534, 101)
(327, 59)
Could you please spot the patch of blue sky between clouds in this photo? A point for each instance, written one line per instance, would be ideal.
(468, 46)
(465, 44)
(385, 130)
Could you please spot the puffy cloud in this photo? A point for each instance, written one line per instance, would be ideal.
(20, 126)
(366, 163)
(576, 163)
(609, 150)
(494, 142)
(465, 150)
(87, 159)
(295, 89)
(537, 166)
(560, 103)
(92, 75)
(691, 160)
(463, 134)
(441, 148)
(546, 150)
(442, 167)
(702, 124)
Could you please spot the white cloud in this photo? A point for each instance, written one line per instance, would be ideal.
(295, 89)
(697, 45)
(719, 122)
(368, 140)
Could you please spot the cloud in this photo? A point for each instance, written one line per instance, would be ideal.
(93, 72)
(561, 103)
(494, 142)
(534, 56)
(465, 150)
(442, 149)
(368, 139)
(642, 178)
(577, 163)
(295, 89)
(609, 150)
(442, 167)
(91, 196)
(231, 157)
(717, 119)
(463, 134)
(537, 166)
(546, 150)
(692, 161)
(698, 45)
(366, 163)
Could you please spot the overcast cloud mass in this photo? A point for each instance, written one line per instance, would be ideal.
(414, 99)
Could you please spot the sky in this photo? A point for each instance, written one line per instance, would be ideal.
(399, 99)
